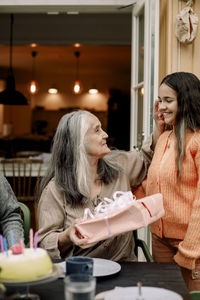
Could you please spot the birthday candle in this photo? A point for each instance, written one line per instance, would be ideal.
(1, 243)
(5, 245)
(31, 238)
(12, 238)
(35, 240)
(22, 245)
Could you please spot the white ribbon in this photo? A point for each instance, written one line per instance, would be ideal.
(121, 199)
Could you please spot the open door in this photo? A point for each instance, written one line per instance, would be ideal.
(144, 76)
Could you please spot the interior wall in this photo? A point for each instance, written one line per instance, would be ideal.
(169, 61)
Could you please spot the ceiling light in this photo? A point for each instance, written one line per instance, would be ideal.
(10, 96)
(33, 86)
(77, 86)
(53, 91)
(53, 13)
(77, 45)
(93, 91)
(33, 45)
(73, 12)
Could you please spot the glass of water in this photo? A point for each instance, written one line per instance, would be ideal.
(79, 286)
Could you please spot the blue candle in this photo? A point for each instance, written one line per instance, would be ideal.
(5, 245)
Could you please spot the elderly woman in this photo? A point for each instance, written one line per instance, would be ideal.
(82, 171)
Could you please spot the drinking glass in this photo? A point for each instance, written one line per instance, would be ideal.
(79, 287)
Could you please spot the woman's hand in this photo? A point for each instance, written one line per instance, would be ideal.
(71, 237)
(159, 123)
(158, 118)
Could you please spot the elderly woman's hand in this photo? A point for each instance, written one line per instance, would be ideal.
(70, 236)
(78, 239)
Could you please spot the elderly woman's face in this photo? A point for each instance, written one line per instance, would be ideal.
(95, 139)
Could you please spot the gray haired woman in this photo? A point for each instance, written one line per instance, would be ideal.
(82, 171)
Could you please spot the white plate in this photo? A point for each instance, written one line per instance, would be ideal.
(102, 267)
(105, 267)
(130, 293)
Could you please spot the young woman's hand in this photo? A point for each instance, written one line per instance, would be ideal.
(158, 118)
(159, 124)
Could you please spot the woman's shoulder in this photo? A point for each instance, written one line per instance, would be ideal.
(119, 155)
(165, 134)
(193, 139)
(52, 187)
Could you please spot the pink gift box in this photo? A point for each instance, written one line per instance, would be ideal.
(123, 214)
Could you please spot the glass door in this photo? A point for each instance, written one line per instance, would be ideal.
(144, 77)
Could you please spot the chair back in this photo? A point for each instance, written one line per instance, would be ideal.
(195, 295)
(26, 216)
(27, 154)
(141, 244)
(23, 175)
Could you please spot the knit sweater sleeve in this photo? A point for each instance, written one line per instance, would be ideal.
(189, 248)
(10, 218)
(51, 218)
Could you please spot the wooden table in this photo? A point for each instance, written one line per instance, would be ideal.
(163, 275)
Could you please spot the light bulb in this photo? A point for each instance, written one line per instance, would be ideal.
(52, 91)
(77, 87)
(93, 91)
(33, 87)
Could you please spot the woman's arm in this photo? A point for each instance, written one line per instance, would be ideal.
(53, 234)
(10, 217)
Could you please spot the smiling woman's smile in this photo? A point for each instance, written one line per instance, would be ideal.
(168, 104)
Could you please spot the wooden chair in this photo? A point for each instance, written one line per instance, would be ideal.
(23, 175)
(195, 295)
(141, 244)
(27, 221)
(27, 154)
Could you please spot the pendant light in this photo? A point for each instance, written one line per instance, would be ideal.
(10, 96)
(77, 86)
(33, 86)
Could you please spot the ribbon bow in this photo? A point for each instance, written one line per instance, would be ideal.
(121, 199)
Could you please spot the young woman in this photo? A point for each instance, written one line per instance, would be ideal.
(82, 172)
(175, 172)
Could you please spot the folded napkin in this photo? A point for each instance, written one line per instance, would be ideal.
(122, 214)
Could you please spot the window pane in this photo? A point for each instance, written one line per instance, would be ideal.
(141, 47)
(140, 118)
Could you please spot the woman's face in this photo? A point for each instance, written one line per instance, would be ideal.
(95, 139)
(167, 104)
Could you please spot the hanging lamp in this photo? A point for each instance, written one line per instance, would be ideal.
(77, 86)
(10, 96)
(33, 86)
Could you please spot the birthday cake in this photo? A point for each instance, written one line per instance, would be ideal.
(30, 264)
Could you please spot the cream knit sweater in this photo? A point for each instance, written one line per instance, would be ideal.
(181, 198)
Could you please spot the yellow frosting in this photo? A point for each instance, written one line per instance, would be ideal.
(31, 265)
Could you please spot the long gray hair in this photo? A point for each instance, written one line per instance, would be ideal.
(69, 162)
